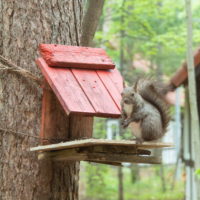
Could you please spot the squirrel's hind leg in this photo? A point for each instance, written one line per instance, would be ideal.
(139, 140)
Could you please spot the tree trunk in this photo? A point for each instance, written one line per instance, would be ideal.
(120, 184)
(23, 25)
(91, 21)
(193, 98)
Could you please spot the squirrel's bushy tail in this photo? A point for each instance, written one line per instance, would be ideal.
(153, 92)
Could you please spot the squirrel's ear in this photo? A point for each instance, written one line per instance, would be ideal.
(152, 87)
(135, 86)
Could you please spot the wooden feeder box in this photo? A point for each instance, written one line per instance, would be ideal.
(81, 83)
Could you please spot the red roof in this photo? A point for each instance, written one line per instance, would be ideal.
(76, 57)
(181, 74)
(89, 91)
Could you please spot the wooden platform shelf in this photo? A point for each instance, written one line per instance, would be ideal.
(113, 152)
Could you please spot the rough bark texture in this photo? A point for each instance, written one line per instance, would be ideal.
(23, 25)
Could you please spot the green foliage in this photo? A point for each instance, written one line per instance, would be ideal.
(154, 29)
(99, 129)
(102, 184)
(149, 187)
(197, 172)
(100, 181)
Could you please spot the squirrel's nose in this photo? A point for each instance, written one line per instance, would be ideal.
(126, 101)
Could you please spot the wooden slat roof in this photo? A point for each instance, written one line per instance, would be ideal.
(84, 91)
(76, 57)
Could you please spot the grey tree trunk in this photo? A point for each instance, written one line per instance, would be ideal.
(23, 25)
(91, 21)
(120, 184)
(193, 98)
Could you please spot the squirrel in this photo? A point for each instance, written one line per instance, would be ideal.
(145, 109)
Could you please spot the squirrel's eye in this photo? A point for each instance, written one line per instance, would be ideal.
(132, 94)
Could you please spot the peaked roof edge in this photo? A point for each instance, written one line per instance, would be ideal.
(181, 74)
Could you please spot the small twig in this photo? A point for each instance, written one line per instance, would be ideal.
(10, 66)
(31, 136)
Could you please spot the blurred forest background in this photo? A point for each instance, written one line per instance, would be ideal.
(142, 37)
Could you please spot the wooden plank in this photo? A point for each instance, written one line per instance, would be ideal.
(66, 88)
(117, 79)
(75, 57)
(95, 142)
(75, 152)
(94, 89)
(112, 87)
(81, 126)
(114, 149)
(98, 157)
(106, 163)
(55, 122)
(70, 154)
(124, 158)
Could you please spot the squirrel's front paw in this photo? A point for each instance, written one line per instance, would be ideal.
(124, 124)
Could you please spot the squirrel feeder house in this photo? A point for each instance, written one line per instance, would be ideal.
(82, 83)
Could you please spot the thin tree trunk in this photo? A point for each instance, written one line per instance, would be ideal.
(120, 184)
(159, 67)
(135, 173)
(162, 176)
(193, 96)
(90, 21)
(23, 25)
(120, 171)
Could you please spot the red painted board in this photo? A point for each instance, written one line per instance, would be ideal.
(75, 57)
(110, 86)
(97, 93)
(66, 88)
(117, 79)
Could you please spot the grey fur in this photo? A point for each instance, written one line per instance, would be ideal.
(148, 107)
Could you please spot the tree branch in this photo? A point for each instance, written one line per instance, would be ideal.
(90, 21)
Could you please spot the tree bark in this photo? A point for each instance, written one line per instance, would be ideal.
(23, 25)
